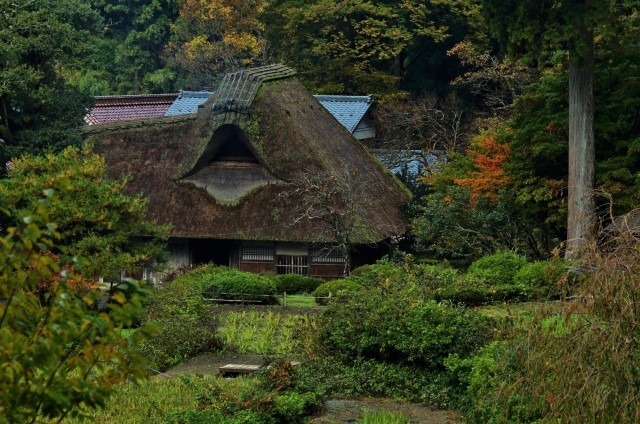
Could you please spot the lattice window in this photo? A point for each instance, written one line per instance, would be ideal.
(327, 256)
(258, 253)
(292, 265)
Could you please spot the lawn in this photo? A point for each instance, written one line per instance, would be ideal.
(299, 300)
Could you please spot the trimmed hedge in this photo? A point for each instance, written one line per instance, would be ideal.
(335, 288)
(497, 269)
(378, 273)
(224, 283)
(294, 283)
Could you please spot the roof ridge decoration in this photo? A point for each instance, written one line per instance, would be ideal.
(238, 89)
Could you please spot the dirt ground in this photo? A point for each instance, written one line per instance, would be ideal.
(337, 411)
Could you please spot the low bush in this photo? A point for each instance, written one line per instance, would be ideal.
(182, 321)
(435, 277)
(175, 340)
(378, 273)
(361, 377)
(542, 277)
(222, 283)
(206, 399)
(473, 291)
(497, 269)
(577, 365)
(335, 288)
(494, 372)
(294, 283)
(398, 327)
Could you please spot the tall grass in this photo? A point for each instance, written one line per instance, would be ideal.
(383, 417)
(267, 333)
(577, 366)
(152, 401)
(148, 402)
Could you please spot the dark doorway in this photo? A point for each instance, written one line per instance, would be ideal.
(210, 251)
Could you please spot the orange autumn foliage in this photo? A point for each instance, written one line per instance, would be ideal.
(489, 158)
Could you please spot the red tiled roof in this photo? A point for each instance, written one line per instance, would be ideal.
(124, 108)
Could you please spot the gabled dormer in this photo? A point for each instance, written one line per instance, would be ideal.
(229, 168)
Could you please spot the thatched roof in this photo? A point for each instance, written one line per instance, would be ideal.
(628, 223)
(287, 137)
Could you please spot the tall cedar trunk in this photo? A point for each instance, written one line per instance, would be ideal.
(581, 220)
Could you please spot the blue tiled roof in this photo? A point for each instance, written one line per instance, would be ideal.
(411, 162)
(348, 110)
(187, 102)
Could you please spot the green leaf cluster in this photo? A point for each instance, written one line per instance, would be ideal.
(98, 220)
(58, 356)
(38, 40)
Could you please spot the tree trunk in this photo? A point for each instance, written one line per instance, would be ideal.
(581, 219)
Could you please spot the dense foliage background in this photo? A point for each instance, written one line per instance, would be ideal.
(452, 78)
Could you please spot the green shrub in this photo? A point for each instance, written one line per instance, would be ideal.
(175, 340)
(205, 399)
(294, 283)
(182, 319)
(293, 407)
(335, 288)
(492, 399)
(541, 277)
(378, 273)
(396, 327)
(234, 284)
(435, 277)
(360, 377)
(498, 268)
(473, 291)
(580, 364)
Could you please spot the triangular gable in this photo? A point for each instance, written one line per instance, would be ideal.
(348, 110)
(229, 167)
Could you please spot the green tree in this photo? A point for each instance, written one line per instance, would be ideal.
(38, 40)
(128, 58)
(57, 358)
(539, 131)
(98, 220)
(213, 37)
(361, 46)
(544, 32)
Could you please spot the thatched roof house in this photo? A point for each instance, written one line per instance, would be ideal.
(260, 178)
